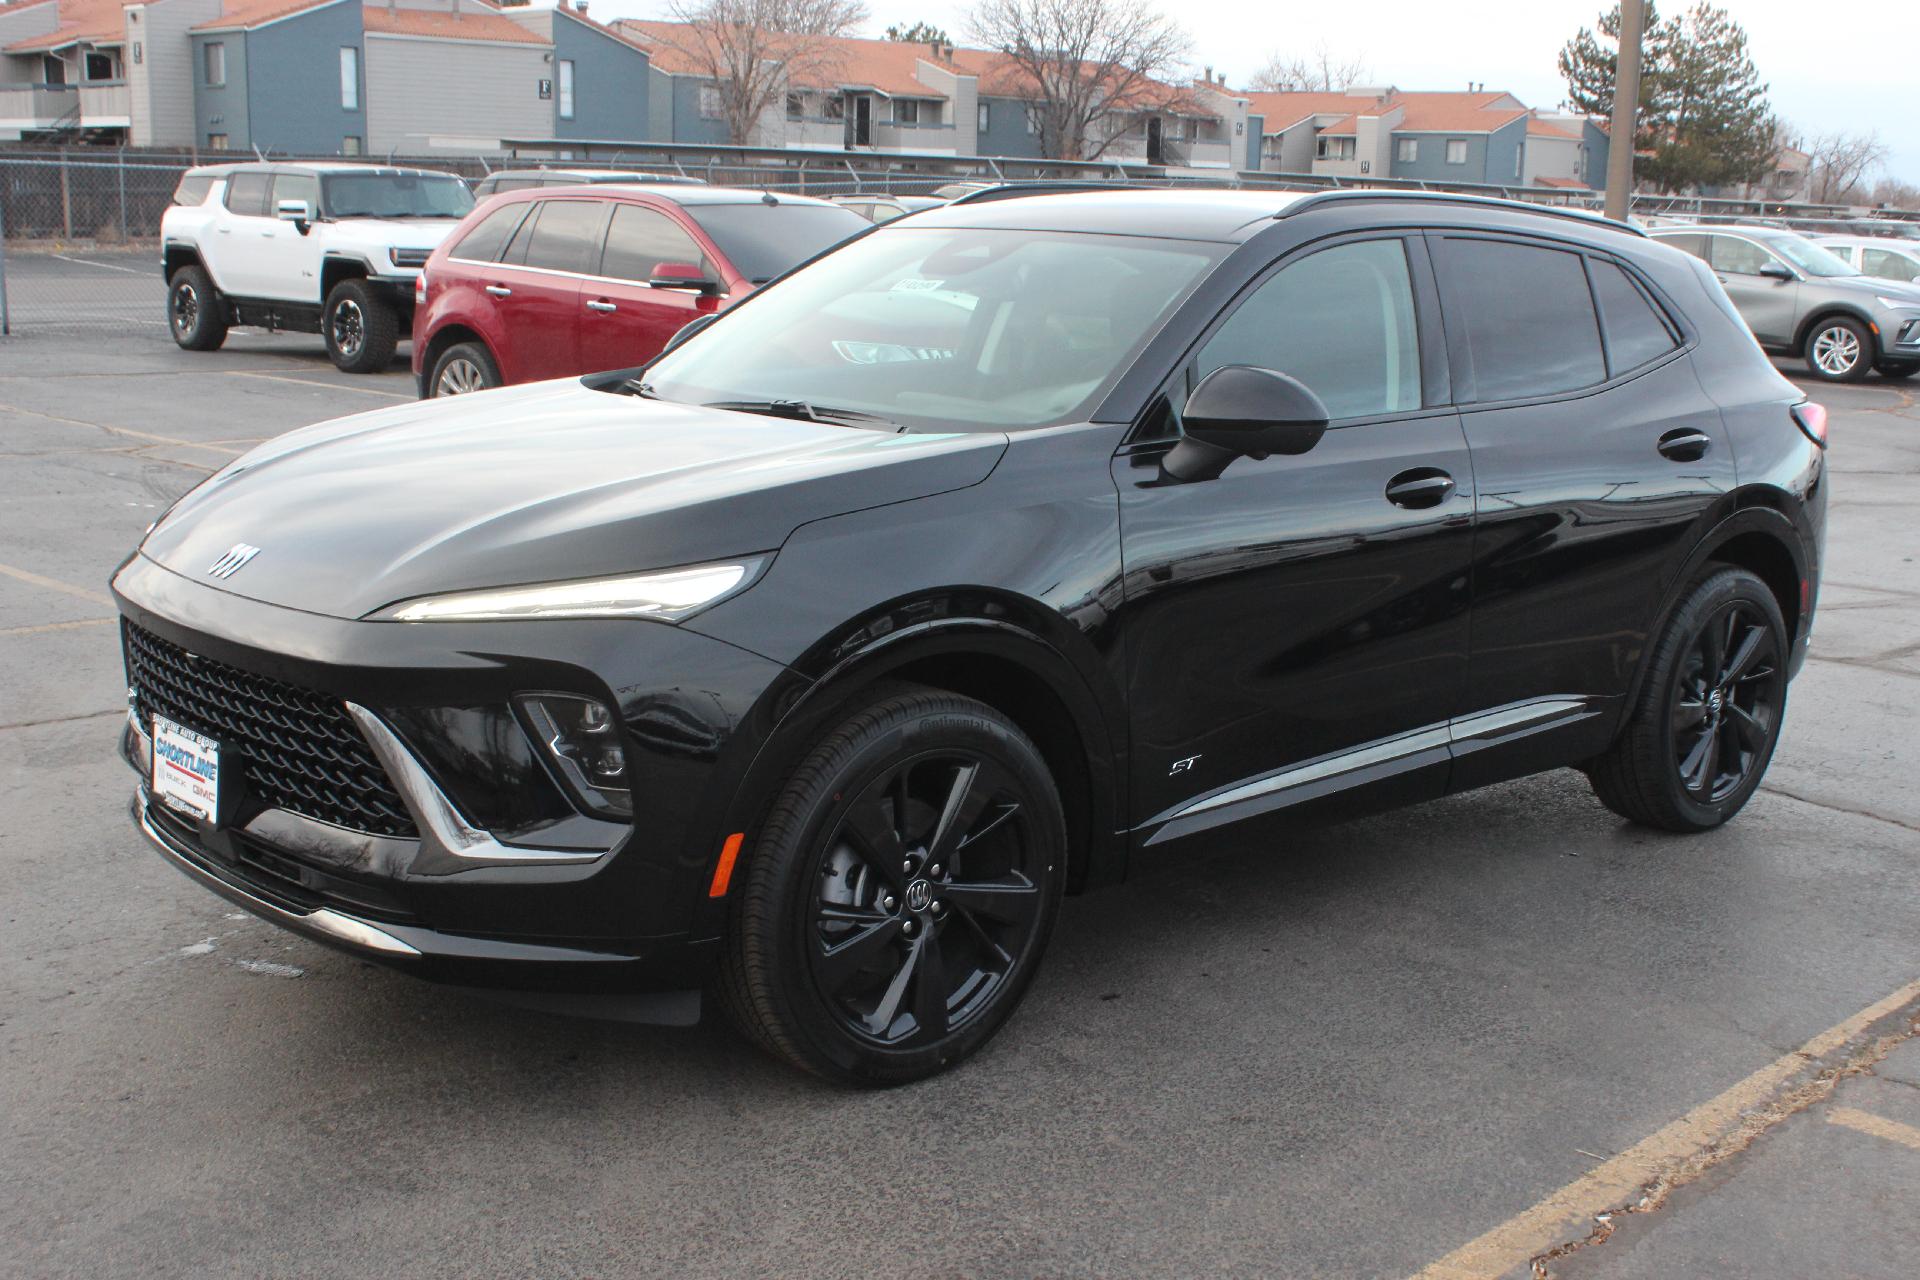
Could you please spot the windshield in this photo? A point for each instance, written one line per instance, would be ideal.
(762, 240)
(945, 329)
(1809, 257)
(394, 195)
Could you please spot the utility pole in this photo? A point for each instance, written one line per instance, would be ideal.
(1626, 108)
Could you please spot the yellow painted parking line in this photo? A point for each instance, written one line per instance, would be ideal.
(1515, 1242)
(54, 584)
(1878, 1126)
(129, 432)
(315, 382)
(44, 627)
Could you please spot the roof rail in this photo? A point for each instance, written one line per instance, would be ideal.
(1349, 194)
(1039, 187)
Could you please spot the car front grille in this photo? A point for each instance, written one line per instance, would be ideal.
(297, 749)
(411, 257)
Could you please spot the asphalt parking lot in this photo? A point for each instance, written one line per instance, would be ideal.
(1438, 1042)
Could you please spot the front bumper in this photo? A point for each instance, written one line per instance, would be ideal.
(568, 903)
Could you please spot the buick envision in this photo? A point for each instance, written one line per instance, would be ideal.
(814, 662)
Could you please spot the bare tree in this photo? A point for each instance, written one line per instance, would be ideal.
(753, 49)
(1087, 69)
(1324, 72)
(1840, 165)
(1891, 193)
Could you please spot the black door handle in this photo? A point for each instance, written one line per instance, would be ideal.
(1419, 488)
(1684, 444)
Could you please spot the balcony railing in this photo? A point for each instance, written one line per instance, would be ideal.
(106, 103)
(38, 106)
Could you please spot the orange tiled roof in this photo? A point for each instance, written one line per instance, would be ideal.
(1284, 110)
(1440, 113)
(246, 14)
(1538, 128)
(101, 20)
(1564, 184)
(437, 24)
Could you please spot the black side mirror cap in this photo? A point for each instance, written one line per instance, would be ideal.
(1776, 271)
(1242, 411)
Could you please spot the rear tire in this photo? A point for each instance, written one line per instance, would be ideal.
(1702, 731)
(463, 368)
(874, 940)
(1839, 349)
(361, 330)
(1897, 370)
(196, 313)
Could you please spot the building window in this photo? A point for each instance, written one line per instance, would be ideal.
(52, 70)
(100, 66)
(351, 145)
(795, 107)
(1033, 121)
(216, 142)
(350, 79)
(906, 111)
(1326, 148)
(1456, 150)
(216, 64)
(1519, 153)
(983, 117)
(710, 102)
(566, 88)
(1406, 150)
(836, 107)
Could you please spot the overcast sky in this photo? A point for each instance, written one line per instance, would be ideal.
(1826, 74)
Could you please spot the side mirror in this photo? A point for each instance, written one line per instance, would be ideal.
(683, 275)
(1240, 411)
(298, 212)
(1776, 271)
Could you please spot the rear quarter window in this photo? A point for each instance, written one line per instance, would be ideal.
(1636, 331)
(193, 189)
(1527, 316)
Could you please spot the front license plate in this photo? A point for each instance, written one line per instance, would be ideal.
(186, 770)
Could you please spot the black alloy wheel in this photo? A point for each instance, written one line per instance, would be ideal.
(1703, 728)
(360, 327)
(900, 892)
(195, 311)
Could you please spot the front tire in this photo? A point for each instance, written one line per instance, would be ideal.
(1839, 350)
(463, 368)
(196, 313)
(899, 892)
(1698, 740)
(361, 329)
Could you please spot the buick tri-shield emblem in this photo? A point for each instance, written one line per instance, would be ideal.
(231, 562)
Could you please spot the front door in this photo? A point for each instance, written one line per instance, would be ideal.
(1298, 625)
(624, 321)
(536, 285)
(1769, 304)
(1156, 141)
(863, 121)
(1597, 463)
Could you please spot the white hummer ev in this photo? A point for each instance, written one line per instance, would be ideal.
(323, 248)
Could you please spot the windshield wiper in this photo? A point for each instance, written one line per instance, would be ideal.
(804, 411)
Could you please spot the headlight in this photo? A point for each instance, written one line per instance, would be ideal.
(668, 596)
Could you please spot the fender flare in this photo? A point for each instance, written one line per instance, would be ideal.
(1829, 311)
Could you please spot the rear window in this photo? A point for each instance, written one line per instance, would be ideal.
(486, 239)
(1636, 333)
(762, 240)
(1528, 317)
(193, 189)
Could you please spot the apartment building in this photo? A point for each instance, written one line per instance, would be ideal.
(941, 99)
(316, 76)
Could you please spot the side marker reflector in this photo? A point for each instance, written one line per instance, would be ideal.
(723, 874)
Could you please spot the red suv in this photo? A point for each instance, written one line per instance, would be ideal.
(548, 282)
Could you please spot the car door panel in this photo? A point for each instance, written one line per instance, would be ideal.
(624, 321)
(536, 288)
(1289, 630)
(1770, 306)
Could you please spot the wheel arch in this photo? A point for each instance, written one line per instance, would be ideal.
(337, 267)
(174, 256)
(1833, 311)
(448, 335)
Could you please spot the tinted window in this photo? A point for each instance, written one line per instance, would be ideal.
(566, 236)
(490, 236)
(640, 239)
(1888, 265)
(1688, 242)
(193, 188)
(1635, 331)
(247, 194)
(386, 194)
(295, 186)
(1736, 256)
(1341, 321)
(1527, 315)
(762, 240)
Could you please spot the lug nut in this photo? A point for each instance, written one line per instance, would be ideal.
(889, 902)
(907, 928)
(934, 870)
(939, 907)
(907, 866)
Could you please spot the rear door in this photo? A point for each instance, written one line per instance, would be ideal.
(1769, 305)
(536, 285)
(624, 321)
(1598, 460)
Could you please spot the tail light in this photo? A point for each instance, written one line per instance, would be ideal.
(420, 288)
(1811, 418)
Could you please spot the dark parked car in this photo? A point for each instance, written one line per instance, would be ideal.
(542, 283)
(813, 664)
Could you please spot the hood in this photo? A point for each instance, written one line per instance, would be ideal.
(540, 483)
(402, 233)
(1908, 295)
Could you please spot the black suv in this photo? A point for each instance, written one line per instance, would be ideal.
(813, 663)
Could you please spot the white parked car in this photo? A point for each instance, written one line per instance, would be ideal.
(1877, 256)
(327, 248)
